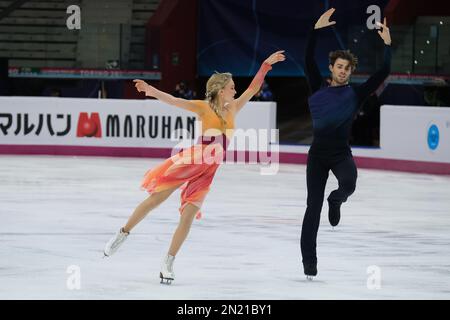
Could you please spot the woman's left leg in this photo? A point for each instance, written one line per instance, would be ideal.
(187, 216)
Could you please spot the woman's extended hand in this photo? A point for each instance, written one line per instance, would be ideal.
(275, 57)
(142, 86)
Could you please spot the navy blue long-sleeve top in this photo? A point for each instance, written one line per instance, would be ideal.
(333, 107)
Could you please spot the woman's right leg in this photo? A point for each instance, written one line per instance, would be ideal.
(139, 213)
(154, 200)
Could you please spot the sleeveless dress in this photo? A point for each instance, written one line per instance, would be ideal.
(193, 168)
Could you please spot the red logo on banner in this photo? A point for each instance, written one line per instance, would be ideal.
(89, 126)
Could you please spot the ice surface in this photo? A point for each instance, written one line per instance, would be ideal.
(58, 212)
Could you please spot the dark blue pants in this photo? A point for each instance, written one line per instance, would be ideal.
(318, 167)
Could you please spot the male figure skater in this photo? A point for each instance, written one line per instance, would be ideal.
(333, 107)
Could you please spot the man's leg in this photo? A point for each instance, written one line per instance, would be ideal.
(316, 179)
(346, 174)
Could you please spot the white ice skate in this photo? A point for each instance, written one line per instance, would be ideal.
(167, 275)
(115, 242)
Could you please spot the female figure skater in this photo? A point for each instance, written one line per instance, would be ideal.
(193, 168)
(333, 107)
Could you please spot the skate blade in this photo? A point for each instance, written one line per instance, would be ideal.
(309, 278)
(166, 281)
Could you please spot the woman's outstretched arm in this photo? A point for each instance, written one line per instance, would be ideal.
(258, 80)
(150, 91)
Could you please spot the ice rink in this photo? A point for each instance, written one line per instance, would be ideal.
(57, 213)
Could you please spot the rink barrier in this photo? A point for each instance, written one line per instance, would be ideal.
(284, 157)
(412, 139)
(381, 164)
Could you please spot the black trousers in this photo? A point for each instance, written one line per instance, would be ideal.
(343, 167)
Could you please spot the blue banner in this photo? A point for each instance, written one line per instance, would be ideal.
(237, 35)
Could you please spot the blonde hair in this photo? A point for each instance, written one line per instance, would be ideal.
(215, 83)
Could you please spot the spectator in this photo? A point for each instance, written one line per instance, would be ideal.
(183, 91)
(264, 93)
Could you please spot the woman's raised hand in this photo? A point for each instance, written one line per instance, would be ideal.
(275, 57)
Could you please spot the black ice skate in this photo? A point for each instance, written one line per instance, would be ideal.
(334, 213)
(310, 269)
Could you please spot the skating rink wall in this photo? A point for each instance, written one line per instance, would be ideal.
(412, 139)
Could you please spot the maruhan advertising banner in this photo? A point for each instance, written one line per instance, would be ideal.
(122, 123)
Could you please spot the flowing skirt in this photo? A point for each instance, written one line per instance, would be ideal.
(192, 169)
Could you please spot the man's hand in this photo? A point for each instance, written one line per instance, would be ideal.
(324, 20)
(384, 34)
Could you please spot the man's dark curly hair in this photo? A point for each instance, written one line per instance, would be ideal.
(343, 54)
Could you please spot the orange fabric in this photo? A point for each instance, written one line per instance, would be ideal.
(193, 169)
(210, 120)
(260, 75)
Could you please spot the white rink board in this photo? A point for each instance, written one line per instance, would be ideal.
(140, 123)
(404, 133)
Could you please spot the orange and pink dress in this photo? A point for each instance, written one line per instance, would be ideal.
(193, 168)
